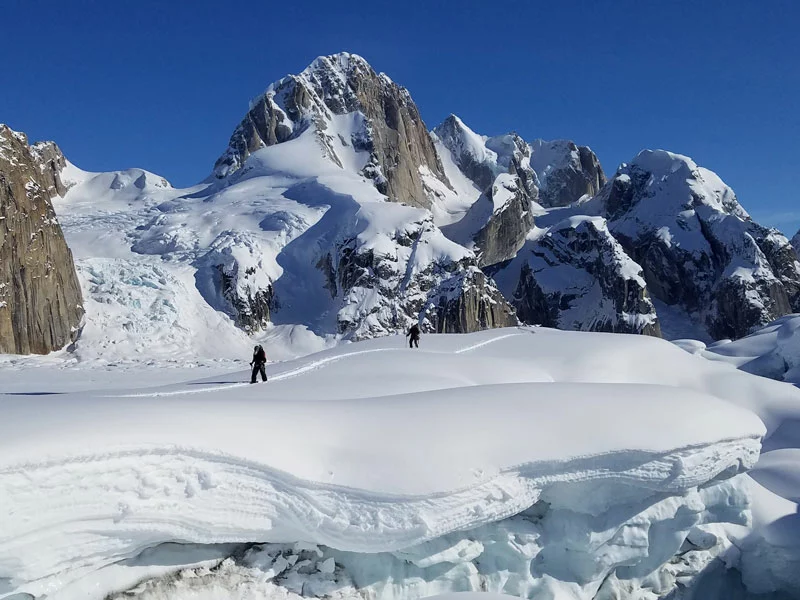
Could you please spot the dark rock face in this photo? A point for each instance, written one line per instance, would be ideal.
(698, 248)
(469, 152)
(500, 166)
(392, 131)
(566, 172)
(250, 304)
(469, 302)
(577, 276)
(511, 219)
(40, 297)
(51, 162)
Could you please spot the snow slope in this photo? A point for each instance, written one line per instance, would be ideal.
(369, 449)
(772, 351)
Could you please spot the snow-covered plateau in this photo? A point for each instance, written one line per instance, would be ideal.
(526, 461)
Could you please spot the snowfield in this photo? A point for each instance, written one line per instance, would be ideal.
(520, 461)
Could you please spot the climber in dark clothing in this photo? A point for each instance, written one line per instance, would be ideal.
(258, 362)
(413, 335)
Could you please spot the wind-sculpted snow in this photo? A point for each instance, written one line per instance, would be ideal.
(371, 449)
(772, 351)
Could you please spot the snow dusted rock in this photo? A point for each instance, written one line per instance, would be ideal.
(499, 220)
(698, 247)
(566, 172)
(577, 276)
(391, 267)
(510, 220)
(383, 124)
(40, 297)
(795, 242)
(51, 163)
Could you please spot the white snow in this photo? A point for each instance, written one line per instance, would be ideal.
(371, 448)
(771, 351)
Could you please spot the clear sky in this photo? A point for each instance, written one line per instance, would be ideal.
(162, 84)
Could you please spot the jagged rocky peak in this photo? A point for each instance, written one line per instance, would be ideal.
(566, 172)
(576, 275)
(699, 248)
(482, 158)
(40, 298)
(795, 241)
(353, 111)
(498, 221)
(51, 162)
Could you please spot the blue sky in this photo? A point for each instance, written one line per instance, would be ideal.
(162, 84)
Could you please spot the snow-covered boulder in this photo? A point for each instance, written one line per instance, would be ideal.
(698, 247)
(575, 275)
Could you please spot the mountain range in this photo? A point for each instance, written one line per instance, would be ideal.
(335, 214)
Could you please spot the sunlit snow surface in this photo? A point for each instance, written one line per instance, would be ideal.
(521, 461)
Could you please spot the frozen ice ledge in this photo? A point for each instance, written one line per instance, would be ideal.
(371, 448)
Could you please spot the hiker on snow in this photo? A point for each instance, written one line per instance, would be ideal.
(413, 335)
(258, 362)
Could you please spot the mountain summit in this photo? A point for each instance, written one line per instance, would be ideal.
(361, 119)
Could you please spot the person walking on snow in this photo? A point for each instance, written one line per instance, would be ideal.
(258, 363)
(413, 335)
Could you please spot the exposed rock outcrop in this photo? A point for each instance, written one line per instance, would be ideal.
(698, 247)
(469, 302)
(566, 172)
(577, 276)
(497, 223)
(51, 163)
(387, 131)
(418, 277)
(40, 297)
(510, 220)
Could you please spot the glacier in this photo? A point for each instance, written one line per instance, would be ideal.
(527, 461)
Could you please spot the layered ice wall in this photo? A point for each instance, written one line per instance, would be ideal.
(512, 460)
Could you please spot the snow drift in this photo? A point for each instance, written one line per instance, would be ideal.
(370, 450)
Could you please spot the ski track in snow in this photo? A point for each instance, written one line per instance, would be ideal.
(486, 343)
(305, 369)
(278, 377)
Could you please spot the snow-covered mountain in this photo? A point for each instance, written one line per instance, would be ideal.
(576, 275)
(698, 247)
(362, 121)
(335, 214)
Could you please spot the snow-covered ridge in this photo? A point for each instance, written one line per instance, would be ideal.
(699, 248)
(193, 462)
